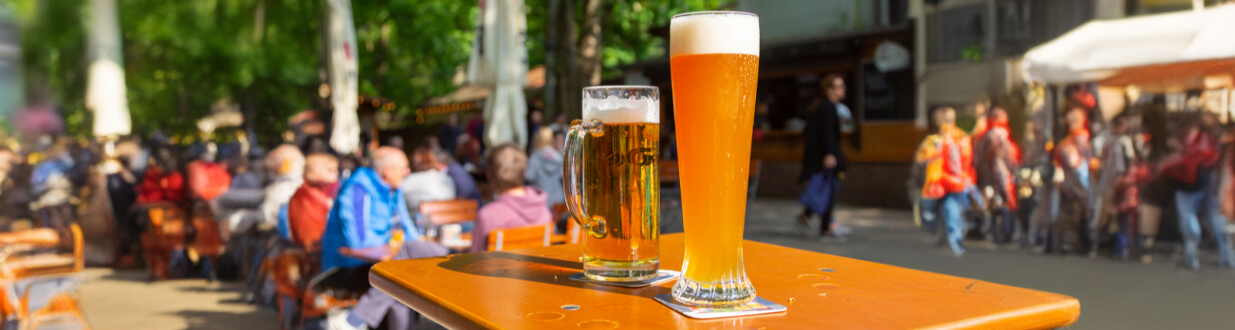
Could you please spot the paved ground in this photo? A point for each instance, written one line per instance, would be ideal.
(1114, 294)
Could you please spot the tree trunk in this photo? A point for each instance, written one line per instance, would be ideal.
(569, 94)
(590, 44)
(552, 106)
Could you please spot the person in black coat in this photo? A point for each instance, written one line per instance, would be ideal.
(823, 154)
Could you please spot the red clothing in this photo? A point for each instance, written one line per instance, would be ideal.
(957, 154)
(307, 212)
(159, 187)
(208, 180)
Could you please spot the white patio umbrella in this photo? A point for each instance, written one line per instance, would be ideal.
(344, 82)
(105, 87)
(1166, 51)
(499, 62)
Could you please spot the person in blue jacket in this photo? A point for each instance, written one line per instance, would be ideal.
(367, 211)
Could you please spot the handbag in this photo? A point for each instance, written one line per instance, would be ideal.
(819, 192)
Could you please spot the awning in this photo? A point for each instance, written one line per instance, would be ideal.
(1172, 51)
(472, 92)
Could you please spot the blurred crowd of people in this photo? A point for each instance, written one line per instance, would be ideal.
(237, 207)
(1095, 189)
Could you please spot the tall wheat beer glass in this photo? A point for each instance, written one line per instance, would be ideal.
(612, 184)
(714, 62)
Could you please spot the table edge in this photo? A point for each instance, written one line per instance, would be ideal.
(1071, 308)
(426, 304)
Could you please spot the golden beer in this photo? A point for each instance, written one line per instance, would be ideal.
(714, 64)
(612, 185)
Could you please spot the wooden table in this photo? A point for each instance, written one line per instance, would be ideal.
(528, 289)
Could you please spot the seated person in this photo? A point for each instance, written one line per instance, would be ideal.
(517, 205)
(307, 211)
(465, 186)
(286, 166)
(365, 214)
(367, 210)
(429, 182)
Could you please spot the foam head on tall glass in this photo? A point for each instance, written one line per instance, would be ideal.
(714, 64)
(612, 184)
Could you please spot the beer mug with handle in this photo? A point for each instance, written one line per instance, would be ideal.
(611, 182)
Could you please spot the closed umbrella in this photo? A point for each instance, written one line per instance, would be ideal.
(105, 87)
(344, 82)
(499, 63)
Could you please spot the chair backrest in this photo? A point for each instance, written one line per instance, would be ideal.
(559, 211)
(668, 171)
(448, 212)
(40, 264)
(520, 237)
(574, 232)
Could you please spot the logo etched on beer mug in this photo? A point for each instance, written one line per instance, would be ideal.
(636, 157)
(612, 184)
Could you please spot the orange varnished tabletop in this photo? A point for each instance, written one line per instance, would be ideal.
(527, 288)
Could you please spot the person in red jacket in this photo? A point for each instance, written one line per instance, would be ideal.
(1194, 172)
(955, 156)
(996, 159)
(310, 205)
(162, 182)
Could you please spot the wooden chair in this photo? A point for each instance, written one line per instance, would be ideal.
(291, 268)
(164, 234)
(448, 212)
(21, 261)
(574, 232)
(207, 239)
(520, 237)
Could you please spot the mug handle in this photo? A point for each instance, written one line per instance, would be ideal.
(573, 176)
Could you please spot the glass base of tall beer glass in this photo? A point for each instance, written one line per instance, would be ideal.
(714, 79)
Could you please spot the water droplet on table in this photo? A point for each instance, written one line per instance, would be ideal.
(818, 277)
(571, 307)
(598, 324)
(545, 316)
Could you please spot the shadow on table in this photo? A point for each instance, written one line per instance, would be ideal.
(543, 269)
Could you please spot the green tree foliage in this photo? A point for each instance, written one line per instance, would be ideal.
(265, 55)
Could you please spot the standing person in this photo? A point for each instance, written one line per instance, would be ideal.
(560, 124)
(448, 135)
(946, 184)
(429, 181)
(544, 167)
(310, 205)
(533, 125)
(517, 204)
(823, 161)
(1194, 172)
(996, 160)
(929, 159)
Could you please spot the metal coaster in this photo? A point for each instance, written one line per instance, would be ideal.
(755, 307)
(662, 276)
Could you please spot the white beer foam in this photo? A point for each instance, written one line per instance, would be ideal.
(714, 33)
(620, 110)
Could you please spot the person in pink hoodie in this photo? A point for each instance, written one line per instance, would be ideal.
(517, 204)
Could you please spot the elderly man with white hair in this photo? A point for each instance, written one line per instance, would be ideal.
(367, 212)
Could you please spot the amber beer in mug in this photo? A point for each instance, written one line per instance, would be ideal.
(611, 182)
(714, 63)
